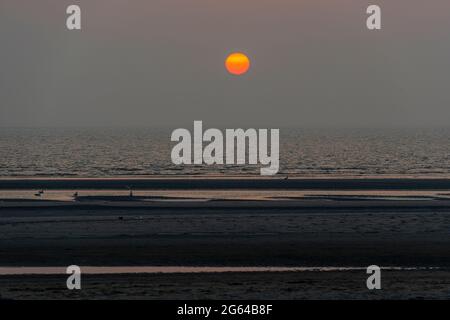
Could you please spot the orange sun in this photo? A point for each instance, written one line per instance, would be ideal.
(237, 63)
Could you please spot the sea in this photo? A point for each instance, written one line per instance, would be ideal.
(113, 152)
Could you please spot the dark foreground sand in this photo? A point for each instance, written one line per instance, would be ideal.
(319, 232)
(141, 236)
(284, 285)
(257, 237)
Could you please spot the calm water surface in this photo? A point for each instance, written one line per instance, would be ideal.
(128, 152)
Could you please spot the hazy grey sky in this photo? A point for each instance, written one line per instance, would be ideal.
(161, 63)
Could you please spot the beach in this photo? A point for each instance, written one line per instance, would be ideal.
(231, 286)
(404, 228)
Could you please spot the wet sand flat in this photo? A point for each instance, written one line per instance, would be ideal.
(313, 229)
(143, 236)
(280, 285)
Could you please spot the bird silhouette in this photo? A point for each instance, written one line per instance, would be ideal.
(131, 190)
